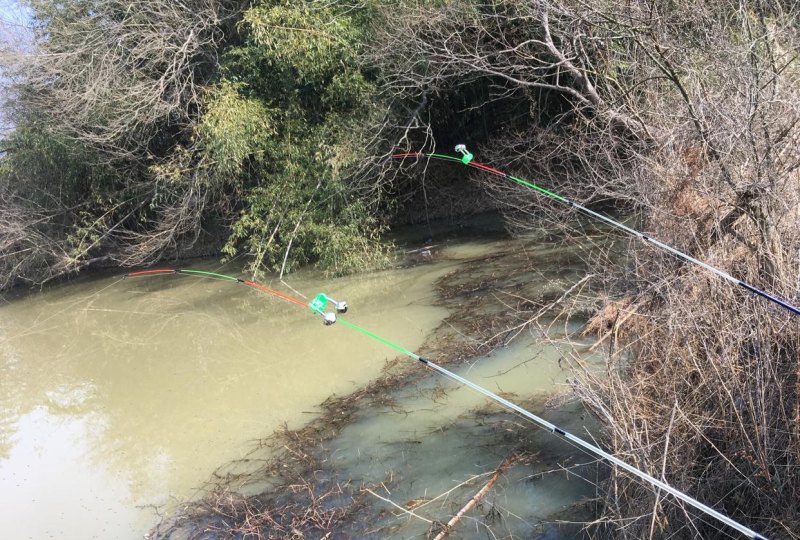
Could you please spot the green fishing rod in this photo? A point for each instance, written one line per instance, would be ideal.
(467, 159)
(319, 304)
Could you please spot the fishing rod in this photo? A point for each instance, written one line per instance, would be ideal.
(467, 159)
(320, 303)
(215, 275)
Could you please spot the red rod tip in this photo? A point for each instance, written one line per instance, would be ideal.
(151, 272)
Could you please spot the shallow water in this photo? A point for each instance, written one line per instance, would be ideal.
(118, 395)
(431, 440)
(119, 398)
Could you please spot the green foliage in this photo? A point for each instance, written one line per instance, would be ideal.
(138, 133)
(310, 38)
(351, 246)
(303, 201)
(304, 214)
(44, 167)
(233, 130)
(299, 62)
(56, 186)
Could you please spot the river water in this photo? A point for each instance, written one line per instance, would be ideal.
(120, 398)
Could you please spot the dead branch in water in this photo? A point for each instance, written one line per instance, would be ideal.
(477, 497)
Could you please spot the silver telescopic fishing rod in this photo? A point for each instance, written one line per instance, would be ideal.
(318, 305)
(645, 238)
(595, 450)
(688, 258)
(467, 159)
(572, 439)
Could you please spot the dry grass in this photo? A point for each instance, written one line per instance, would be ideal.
(702, 386)
(704, 395)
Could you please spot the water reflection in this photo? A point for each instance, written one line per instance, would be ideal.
(116, 395)
(52, 487)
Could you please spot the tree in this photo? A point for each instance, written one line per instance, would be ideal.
(300, 63)
(189, 122)
(99, 96)
(685, 115)
(120, 76)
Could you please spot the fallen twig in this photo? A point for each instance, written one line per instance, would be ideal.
(409, 512)
(477, 497)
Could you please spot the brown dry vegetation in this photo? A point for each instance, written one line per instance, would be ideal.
(685, 115)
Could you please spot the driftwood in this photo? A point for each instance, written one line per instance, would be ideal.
(477, 497)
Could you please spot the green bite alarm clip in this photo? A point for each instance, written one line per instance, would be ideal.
(320, 302)
(466, 154)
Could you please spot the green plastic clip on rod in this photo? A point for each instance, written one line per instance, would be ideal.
(318, 305)
(466, 154)
(320, 302)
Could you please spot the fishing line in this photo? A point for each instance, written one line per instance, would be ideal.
(32, 329)
(467, 159)
(218, 276)
(320, 303)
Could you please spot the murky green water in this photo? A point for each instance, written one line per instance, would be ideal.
(117, 395)
(438, 435)
(119, 398)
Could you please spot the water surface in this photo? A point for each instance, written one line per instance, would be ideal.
(118, 396)
(121, 398)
